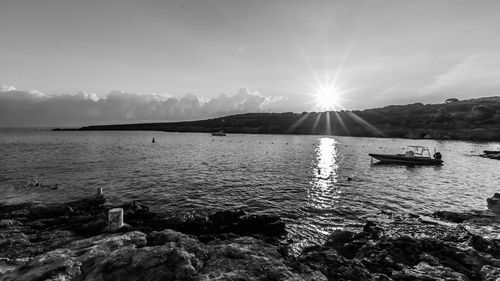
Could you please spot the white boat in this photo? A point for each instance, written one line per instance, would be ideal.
(219, 133)
(414, 155)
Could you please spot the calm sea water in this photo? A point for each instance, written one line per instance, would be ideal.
(301, 178)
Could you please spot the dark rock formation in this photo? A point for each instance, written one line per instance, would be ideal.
(494, 203)
(222, 224)
(410, 251)
(495, 155)
(40, 247)
(165, 255)
(453, 216)
(28, 230)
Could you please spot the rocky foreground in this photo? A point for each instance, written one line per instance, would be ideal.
(71, 242)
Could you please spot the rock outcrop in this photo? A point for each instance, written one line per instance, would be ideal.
(39, 246)
(165, 255)
(494, 203)
(222, 224)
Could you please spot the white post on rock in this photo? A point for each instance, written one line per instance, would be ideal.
(115, 218)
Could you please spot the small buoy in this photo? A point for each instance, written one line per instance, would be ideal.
(99, 191)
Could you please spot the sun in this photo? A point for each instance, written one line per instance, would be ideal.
(327, 97)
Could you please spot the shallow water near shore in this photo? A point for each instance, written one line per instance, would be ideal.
(303, 179)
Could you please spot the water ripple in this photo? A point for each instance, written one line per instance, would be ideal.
(301, 178)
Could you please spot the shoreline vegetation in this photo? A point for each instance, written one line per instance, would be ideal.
(473, 120)
(71, 241)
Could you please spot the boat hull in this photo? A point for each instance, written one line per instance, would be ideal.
(405, 160)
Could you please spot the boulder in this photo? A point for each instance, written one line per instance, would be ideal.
(162, 255)
(76, 258)
(424, 271)
(453, 216)
(93, 205)
(167, 262)
(490, 273)
(339, 238)
(489, 246)
(190, 244)
(248, 258)
(222, 224)
(494, 203)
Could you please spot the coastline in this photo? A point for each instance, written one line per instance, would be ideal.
(469, 120)
(70, 241)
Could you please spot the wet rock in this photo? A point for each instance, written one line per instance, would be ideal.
(467, 262)
(335, 266)
(166, 262)
(407, 248)
(15, 240)
(491, 155)
(93, 227)
(494, 203)
(76, 258)
(484, 245)
(424, 271)
(232, 222)
(248, 258)
(373, 230)
(490, 273)
(390, 254)
(403, 251)
(136, 212)
(321, 259)
(453, 216)
(180, 240)
(4, 223)
(88, 206)
(163, 255)
(226, 218)
(222, 224)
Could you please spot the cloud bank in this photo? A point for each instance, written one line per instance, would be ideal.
(34, 108)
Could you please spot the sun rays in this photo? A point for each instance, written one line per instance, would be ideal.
(327, 97)
(327, 94)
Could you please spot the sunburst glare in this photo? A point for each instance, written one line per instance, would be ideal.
(327, 97)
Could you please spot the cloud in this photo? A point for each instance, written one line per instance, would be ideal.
(34, 108)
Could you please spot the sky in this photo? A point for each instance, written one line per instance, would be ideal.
(69, 62)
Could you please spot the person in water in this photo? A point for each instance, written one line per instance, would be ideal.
(153, 141)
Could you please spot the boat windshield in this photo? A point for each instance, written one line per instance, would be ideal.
(419, 150)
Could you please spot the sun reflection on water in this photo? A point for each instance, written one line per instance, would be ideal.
(323, 192)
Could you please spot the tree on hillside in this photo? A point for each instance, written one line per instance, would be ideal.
(450, 100)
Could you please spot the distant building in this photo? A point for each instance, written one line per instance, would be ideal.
(450, 100)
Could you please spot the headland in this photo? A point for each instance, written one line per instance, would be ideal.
(473, 119)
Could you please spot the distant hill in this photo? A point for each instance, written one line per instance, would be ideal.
(474, 119)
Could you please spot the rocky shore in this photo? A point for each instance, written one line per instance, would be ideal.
(491, 154)
(71, 241)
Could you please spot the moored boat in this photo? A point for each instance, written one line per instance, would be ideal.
(219, 133)
(414, 155)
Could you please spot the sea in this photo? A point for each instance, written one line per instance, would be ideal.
(316, 183)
